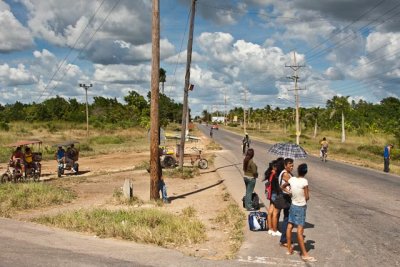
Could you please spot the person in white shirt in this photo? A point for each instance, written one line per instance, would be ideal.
(297, 214)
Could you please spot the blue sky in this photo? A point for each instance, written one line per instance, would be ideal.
(347, 47)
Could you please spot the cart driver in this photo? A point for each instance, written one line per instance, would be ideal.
(17, 158)
(60, 155)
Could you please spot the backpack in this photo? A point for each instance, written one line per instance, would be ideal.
(255, 201)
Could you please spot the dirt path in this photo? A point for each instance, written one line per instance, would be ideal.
(101, 175)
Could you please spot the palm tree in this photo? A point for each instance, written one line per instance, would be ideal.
(162, 79)
(341, 105)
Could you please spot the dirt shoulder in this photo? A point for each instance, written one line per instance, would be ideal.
(100, 176)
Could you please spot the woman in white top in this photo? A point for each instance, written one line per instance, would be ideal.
(297, 214)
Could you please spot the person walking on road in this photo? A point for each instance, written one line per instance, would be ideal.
(245, 143)
(284, 176)
(386, 157)
(250, 176)
(297, 215)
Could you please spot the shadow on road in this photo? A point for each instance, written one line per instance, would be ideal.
(196, 191)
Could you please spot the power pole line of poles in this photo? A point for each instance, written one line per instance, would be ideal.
(295, 78)
(154, 108)
(187, 84)
(86, 86)
(225, 119)
(244, 110)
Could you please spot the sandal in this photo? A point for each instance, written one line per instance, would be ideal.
(283, 245)
(309, 259)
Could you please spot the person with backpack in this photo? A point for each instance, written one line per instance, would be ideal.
(271, 190)
(386, 157)
(284, 176)
(297, 215)
(245, 143)
(250, 176)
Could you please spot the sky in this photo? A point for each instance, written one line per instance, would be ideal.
(244, 51)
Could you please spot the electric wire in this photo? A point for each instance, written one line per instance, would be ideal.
(69, 52)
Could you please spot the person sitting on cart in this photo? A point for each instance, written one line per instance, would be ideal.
(70, 156)
(17, 158)
(60, 155)
(28, 158)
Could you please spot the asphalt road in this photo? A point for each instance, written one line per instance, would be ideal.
(353, 216)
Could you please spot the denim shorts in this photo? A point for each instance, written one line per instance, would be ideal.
(297, 215)
(273, 197)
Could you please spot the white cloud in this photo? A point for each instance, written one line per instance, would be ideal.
(10, 76)
(123, 74)
(13, 35)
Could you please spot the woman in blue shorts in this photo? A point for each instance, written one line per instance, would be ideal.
(297, 214)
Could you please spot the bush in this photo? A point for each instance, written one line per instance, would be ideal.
(233, 124)
(375, 150)
(4, 126)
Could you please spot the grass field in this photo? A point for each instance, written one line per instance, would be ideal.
(366, 150)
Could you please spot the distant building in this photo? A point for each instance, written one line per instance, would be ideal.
(218, 119)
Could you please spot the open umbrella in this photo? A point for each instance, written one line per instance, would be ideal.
(288, 150)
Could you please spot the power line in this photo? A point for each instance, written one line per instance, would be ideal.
(70, 50)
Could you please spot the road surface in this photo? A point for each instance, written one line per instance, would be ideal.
(353, 216)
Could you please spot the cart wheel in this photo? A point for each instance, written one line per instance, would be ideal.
(203, 164)
(59, 172)
(5, 178)
(169, 162)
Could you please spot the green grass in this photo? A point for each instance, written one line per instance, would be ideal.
(182, 173)
(15, 197)
(366, 150)
(144, 225)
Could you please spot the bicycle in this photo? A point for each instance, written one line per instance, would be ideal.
(202, 163)
(324, 154)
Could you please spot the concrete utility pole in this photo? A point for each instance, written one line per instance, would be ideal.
(187, 84)
(244, 110)
(86, 86)
(155, 94)
(295, 78)
(225, 107)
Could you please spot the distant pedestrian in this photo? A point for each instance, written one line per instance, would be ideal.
(250, 176)
(297, 215)
(211, 132)
(245, 143)
(386, 157)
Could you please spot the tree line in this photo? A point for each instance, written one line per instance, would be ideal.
(135, 111)
(339, 113)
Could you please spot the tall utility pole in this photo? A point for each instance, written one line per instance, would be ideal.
(244, 110)
(86, 86)
(155, 93)
(187, 84)
(295, 78)
(225, 107)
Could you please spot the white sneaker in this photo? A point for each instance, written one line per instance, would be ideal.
(277, 233)
(270, 232)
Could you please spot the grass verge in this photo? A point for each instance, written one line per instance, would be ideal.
(144, 225)
(233, 218)
(14, 197)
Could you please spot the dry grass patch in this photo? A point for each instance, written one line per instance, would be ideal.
(24, 196)
(143, 225)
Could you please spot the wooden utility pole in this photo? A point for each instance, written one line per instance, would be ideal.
(155, 92)
(295, 78)
(86, 86)
(187, 84)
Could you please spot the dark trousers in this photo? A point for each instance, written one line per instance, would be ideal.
(386, 162)
(284, 225)
(250, 183)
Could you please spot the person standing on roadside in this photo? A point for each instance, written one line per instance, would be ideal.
(297, 215)
(272, 190)
(284, 177)
(250, 176)
(386, 157)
